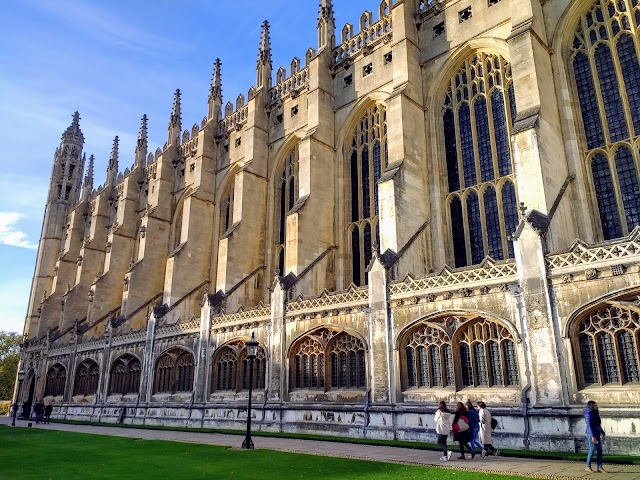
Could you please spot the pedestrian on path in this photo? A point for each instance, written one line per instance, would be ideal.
(460, 427)
(443, 428)
(47, 413)
(595, 435)
(474, 426)
(485, 431)
(38, 410)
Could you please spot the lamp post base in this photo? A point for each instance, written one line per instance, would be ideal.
(248, 444)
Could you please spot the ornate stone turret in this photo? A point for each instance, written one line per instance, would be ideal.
(215, 94)
(326, 25)
(264, 59)
(141, 145)
(175, 123)
(112, 169)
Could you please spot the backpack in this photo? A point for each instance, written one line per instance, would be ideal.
(494, 423)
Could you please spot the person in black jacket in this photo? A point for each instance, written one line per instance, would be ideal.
(461, 431)
(595, 435)
(47, 413)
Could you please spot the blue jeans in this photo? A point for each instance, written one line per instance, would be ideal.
(474, 439)
(597, 447)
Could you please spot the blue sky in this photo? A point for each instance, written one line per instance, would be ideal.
(113, 61)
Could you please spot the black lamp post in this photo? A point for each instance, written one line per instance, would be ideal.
(252, 351)
(15, 402)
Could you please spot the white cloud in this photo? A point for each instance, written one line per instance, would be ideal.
(10, 235)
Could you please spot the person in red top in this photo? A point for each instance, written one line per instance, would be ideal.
(461, 432)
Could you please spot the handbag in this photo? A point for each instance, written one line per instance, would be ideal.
(462, 425)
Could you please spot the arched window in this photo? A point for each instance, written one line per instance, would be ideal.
(174, 372)
(330, 358)
(226, 211)
(87, 377)
(607, 346)
(606, 74)
(367, 158)
(483, 349)
(177, 227)
(479, 111)
(230, 370)
(56, 380)
(125, 375)
(286, 197)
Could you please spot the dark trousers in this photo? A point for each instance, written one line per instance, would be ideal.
(442, 441)
(489, 448)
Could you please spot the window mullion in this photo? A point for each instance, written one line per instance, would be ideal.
(604, 123)
(467, 231)
(492, 133)
(456, 124)
(616, 189)
(483, 222)
(474, 135)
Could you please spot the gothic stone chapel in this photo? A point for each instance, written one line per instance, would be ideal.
(441, 201)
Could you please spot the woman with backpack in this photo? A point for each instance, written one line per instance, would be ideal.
(443, 427)
(461, 432)
(485, 430)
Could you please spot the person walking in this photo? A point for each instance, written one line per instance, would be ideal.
(485, 431)
(474, 426)
(47, 413)
(460, 427)
(595, 435)
(443, 428)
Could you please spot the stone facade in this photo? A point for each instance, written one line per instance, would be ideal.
(439, 203)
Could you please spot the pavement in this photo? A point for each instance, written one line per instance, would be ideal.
(528, 468)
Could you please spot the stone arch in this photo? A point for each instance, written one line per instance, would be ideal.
(231, 372)
(86, 378)
(55, 381)
(124, 375)
(174, 371)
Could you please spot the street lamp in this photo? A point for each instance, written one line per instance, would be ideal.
(252, 351)
(15, 402)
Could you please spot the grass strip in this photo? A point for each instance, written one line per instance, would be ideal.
(35, 454)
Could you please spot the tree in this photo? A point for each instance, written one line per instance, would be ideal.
(9, 356)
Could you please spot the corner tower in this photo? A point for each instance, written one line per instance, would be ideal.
(64, 191)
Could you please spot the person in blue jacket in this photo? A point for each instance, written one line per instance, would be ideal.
(595, 435)
(474, 426)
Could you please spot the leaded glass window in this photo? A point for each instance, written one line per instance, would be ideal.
(87, 377)
(607, 346)
(368, 157)
(479, 111)
(286, 196)
(327, 350)
(226, 212)
(174, 372)
(606, 71)
(125, 375)
(230, 368)
(56, 380)
(484, 350)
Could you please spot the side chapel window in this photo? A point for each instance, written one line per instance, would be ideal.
(125, 375)
(368, 156)
(286, 196)
(483, 351)
(87, 377)
(479, 111)
(606, 71)
(174, 372)
(330, 358)
(56, 380)
(230, 370)
(607, 346)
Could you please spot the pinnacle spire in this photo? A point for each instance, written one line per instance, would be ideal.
(73, 133)
(112, 169)
(264, 55)
(175, 123)
(216, 81)
(326, 25)
(87, 185)
(325, 13)
(141, 146)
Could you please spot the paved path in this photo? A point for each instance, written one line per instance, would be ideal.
(507, 465)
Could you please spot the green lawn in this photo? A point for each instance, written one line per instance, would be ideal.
(35, 454)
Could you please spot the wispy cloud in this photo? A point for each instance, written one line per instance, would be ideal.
(10, 235)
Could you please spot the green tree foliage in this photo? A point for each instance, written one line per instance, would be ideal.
(9, 356)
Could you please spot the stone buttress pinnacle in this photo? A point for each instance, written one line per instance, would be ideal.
(112, 168)
(142, 144)
(216, 81)
(175, 122)
(325, 13)
(87, 186)
(73, 134)
(264, 55)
